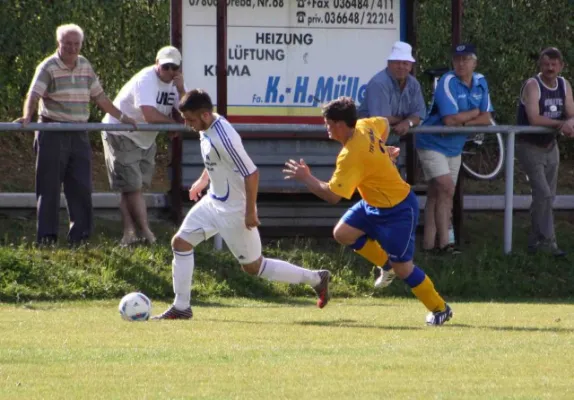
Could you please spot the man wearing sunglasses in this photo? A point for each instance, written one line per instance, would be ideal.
(148, 97)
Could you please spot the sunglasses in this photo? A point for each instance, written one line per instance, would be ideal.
(167, 67)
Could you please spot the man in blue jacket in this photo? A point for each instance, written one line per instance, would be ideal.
(461, 99)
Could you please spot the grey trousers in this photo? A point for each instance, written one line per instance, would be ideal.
(541, 166)
(63, 158)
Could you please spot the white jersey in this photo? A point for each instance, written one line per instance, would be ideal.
(227, 164)
(144, 89)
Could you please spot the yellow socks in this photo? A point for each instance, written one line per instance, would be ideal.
(372, 251)
(423, 288)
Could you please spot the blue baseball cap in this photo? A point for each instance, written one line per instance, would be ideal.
(464, 49)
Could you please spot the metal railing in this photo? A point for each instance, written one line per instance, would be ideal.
(509, 130)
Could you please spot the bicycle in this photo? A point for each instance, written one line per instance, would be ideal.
(483, 154)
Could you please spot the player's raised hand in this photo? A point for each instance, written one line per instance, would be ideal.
(252, 219)
(394, 152)
(296, 170)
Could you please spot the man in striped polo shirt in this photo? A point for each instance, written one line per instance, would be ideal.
(63, 86)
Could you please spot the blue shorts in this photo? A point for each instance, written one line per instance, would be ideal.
(394, 228)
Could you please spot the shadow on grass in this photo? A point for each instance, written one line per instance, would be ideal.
(340, 323)
(353, 324)
(269, 303)
(511, 328)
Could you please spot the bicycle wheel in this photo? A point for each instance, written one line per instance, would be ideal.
(483, 156)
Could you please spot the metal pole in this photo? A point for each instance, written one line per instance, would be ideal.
(221, 40)
(176, 145)
(509, 192)
(218, 242)
(458, 198)
(409, 140)
(456, 22)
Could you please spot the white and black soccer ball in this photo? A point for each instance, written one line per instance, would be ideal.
(135, 306)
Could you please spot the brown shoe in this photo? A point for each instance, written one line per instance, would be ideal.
(174, 313)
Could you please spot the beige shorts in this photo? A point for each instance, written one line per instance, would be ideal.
(130, 168)
(435, 164)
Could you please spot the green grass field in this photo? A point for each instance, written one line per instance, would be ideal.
(364, 345)
(246, 349)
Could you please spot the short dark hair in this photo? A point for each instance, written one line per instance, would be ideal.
(195, 100)
(341, 109)
(552, 53)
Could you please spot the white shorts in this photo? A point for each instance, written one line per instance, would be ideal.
(435, 164)
(204, 220)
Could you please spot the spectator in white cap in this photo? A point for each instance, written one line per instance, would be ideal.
(148, 97)
(395, 94)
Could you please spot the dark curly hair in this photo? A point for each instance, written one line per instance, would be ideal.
(195, 100)
(341, 109)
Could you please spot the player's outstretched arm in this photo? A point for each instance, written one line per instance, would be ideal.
(251, 188)
(301, 172)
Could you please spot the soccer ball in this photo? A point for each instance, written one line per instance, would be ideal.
(135, 307)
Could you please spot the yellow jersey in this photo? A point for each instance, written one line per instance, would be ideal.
(364, 164)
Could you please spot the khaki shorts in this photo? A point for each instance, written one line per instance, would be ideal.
(435, 164)
(130, 168)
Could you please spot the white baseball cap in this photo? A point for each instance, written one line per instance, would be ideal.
(401, 51)
(168, 55)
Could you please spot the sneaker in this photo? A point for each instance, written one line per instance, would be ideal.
(439, 317)
(449, 249)
(322, 289)
(553, 249)
(385, 278)
(548, 247)
(149, 237)
(174, 313)
(128, 239)
(532, 248)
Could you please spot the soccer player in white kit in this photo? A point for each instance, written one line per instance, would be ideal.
(229, 208)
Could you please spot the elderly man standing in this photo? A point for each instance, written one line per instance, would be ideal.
(545, 100)
(395, 94)
(63, 85)
(461, 99)
(148, 97)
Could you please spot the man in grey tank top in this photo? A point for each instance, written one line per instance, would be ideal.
(545, 100)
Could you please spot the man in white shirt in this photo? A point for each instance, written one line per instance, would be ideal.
(229, 208)
(149, 97)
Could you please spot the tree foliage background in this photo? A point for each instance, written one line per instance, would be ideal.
(123, 36)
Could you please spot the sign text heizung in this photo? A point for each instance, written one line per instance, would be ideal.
(287, 57)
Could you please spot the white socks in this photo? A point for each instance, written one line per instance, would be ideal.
(282, 271)
(182, 272)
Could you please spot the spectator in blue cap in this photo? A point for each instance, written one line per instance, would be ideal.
(461, 99)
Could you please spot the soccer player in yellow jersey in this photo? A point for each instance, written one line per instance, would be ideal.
(384, 221)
